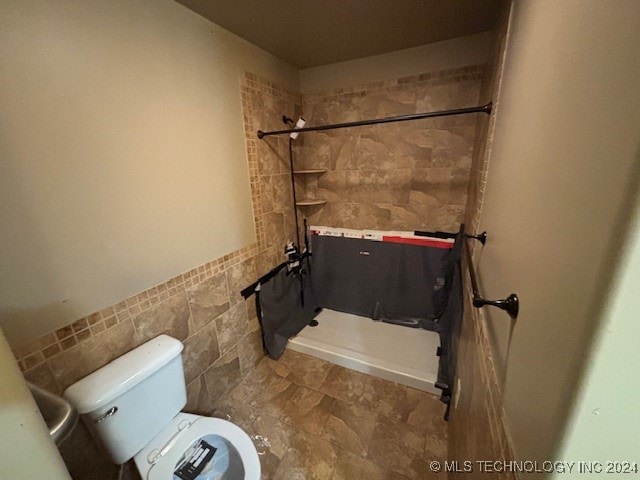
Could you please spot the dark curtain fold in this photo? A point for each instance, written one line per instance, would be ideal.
(451, 321)
(281, 309)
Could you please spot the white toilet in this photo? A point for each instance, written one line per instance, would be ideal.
(132, 407)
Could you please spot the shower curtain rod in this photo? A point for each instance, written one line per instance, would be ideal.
(399, 118)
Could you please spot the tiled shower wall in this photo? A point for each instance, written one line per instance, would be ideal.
(398, 176)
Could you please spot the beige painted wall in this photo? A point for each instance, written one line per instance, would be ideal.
(123, 156)
(565, 155)
(27, 449)
(605, 423)
(445, 55)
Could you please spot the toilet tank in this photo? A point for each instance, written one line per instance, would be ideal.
(128, 401)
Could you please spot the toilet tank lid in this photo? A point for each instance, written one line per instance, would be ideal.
(100, 387)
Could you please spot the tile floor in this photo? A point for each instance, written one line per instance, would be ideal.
(312, 420)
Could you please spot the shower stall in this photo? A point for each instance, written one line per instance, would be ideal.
(383, 302)
(368, 283)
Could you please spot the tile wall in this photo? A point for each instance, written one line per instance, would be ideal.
(478, 429)
(399, 176)
(202, 307)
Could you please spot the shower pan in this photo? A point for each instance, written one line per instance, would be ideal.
(403, 355)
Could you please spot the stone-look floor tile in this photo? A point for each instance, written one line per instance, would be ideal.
(232, 326)
(384, 398)
(262, 370)
(374, 394)
(349, 427)
(86, 357)
(208, 300)
(269, 463)
(276, 405)
(435, 448)
(223, 375)
(198, 398)
(280, 366)
(266, 392)
(242, 415)
(272, 439)
(306, 370)
(425, 412)
(200, 351)
(277, 435)
(170, 317)
(344, 384)
(308, 458)
(398, 447)
(352, 467)
(307, 409)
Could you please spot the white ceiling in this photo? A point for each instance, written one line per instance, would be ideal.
(309, 33)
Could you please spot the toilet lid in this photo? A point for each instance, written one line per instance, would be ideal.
(207, 449)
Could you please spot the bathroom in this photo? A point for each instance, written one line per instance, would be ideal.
(138, 201)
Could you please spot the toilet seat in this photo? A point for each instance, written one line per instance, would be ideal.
(158, 460)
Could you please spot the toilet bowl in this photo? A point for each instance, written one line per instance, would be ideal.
(235, 456)
(132, 407)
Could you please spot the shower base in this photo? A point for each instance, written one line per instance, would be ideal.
(400, 354)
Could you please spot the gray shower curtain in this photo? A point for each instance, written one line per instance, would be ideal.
(412, 285)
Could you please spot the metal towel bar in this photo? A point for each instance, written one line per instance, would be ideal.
(511, 304)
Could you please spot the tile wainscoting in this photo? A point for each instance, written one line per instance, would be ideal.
(202, 307)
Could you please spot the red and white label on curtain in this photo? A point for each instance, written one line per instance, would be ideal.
(390, 236)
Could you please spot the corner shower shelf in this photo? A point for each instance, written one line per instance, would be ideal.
(309, 172)
(310, 201)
